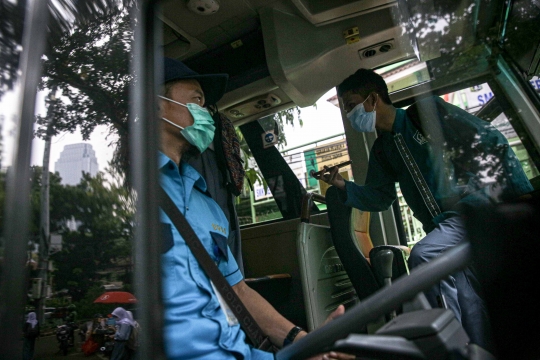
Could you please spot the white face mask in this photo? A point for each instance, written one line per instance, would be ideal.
(361, 120)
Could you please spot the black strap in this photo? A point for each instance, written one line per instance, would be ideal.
(248, 323)
(416, 175)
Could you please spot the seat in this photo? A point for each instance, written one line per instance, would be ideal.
(325, 283)
(504, 241)
(352, 249)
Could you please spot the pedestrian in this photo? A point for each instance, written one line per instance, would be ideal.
(133, 340)
(110, 321)
(124, 326)
(71, 322)
(30, 334)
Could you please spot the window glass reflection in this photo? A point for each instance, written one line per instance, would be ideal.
(82, 205)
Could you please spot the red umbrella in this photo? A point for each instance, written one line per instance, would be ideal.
(118, 297)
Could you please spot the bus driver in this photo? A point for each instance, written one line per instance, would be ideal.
(476, 165)
(196, 326)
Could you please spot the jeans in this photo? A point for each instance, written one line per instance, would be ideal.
(460, 290)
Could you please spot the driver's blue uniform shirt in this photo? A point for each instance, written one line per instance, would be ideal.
(195, 327)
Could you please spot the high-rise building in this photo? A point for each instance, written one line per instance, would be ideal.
(74, 160)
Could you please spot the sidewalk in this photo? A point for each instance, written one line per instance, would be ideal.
(47, 349)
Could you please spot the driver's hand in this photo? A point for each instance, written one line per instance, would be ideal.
(331, 176)
(332, 354)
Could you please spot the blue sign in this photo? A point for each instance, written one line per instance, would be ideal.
(269, 137)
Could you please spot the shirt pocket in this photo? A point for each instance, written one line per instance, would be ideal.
(167, 240)
(219, 247)
(168, 271)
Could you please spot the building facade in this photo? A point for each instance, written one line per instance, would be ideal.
(74, 160)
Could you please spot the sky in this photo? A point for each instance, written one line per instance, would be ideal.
(320, 122)
(8, 108)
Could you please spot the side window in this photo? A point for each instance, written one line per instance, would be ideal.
(475, 100)
(314, 139)
(82, 209)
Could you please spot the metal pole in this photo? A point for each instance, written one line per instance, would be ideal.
(44, 234)
(252, 205)
(382, 302)
(17, 220)
(144, 137)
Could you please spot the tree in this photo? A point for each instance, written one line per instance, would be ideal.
(287, 116)
(64, 15)
(103, 212)
(10, 42)
(279, 119)
(90, 68)
(55, 191)
(35, 179)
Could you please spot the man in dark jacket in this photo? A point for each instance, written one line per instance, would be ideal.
(442, 157)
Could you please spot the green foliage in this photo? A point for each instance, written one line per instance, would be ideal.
(279, 119)
(88, 68)
(56, 190)
(57, 302)
(64, 15)
(10, 42)
(102, 242)
(86, 307)
(254, 176)
(104, 211)
(284, 117)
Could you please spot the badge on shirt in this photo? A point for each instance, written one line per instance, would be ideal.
(221, 242)
(419, 138)
(231, 319)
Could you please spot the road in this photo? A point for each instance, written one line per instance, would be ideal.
(47, 349)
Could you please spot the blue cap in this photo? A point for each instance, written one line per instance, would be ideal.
(213, 85)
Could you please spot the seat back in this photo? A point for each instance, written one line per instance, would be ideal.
(360, 222)
(504, 240)
(325, 282)
(350, 233)
(355, 263)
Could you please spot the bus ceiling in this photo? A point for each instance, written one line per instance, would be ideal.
(283, 53)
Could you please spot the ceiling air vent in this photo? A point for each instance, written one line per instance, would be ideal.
(253, 106)
(369, 53)
(385, 47)
(377, 49)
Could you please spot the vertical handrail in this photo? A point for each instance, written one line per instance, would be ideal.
(307, 204)
(17, 206)
(144, 137)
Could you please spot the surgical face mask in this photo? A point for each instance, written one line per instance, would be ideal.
(360, 119)
(201, 133)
